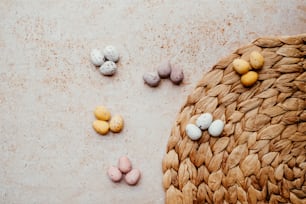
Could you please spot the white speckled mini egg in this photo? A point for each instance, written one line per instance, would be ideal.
(204, 121)
(96, 57)
(111, 53)
(108, 68)
(193, 131)
(216, 128)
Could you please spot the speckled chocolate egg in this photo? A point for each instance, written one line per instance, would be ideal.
(101, 127)
(132, 177)
(193, 131)
(177, 75)
(216, 128)
(164, 69)
(124, 164)
(116, 123)
(102, 113)
(114, 174)
(111, 53)
(204, 121)
(151, 78)
(109, 68)
(96, 57)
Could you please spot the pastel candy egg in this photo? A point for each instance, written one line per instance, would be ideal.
(116, 123)
(193, 131)
(164, 69)
(109, 68)
(102, 113)
(241, 66)
(124, 164)
(204, 121)
(256, 60)
(96, 57)
(177, 75)
(114, 174)
(249, 78)
(132, 177)
(111, 53)
(216, 128)
(151, 78)
(101, 127)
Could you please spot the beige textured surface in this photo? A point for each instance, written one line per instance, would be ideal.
(48, 88)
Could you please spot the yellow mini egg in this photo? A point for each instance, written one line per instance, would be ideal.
(101, 127)
(241, 66)
(116, 124)
(249, 78)
(102, 113)
(256, 60)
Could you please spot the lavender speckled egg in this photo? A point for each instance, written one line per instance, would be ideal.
(164, 69)
(151, 78)
(177, 75)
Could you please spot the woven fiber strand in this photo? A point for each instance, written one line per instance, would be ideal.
(260, 156)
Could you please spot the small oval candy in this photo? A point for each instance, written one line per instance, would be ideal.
(193, 131)
(114, 174)
(151, 78)
(164, 69)
(249, 78)
(177, 75)
(256, 60)
(132, 177)
(96, 57)
(216, 128)
(204, 121)
(124, 164)
(101, 127)
(109, 68)
(116, 123)
(111, 53)
(102, 113)
(241, 66)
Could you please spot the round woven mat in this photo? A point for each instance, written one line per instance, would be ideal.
(260, 156)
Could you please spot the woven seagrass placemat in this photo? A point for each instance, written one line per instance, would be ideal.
(260, 156)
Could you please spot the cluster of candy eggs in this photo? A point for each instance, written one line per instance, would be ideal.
(105, 59)
(204, 122)
(243, 67)
(106, 122)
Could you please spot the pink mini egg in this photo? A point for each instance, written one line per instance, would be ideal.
(132, 177)
(114, 174)
(124, 164)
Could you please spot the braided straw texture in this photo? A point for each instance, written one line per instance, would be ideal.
(260, 156)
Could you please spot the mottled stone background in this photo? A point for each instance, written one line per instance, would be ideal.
(48, 89)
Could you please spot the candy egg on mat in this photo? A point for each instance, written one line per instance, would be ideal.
(124, 164)
(102, 113)
(116, 123)
(132, 177)
(101, 127)
(256, 60)
(193, 131)
(114, 174)
(216, 128)
(241, 66)
(204, 121)
(249, 78)
(164, 69)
